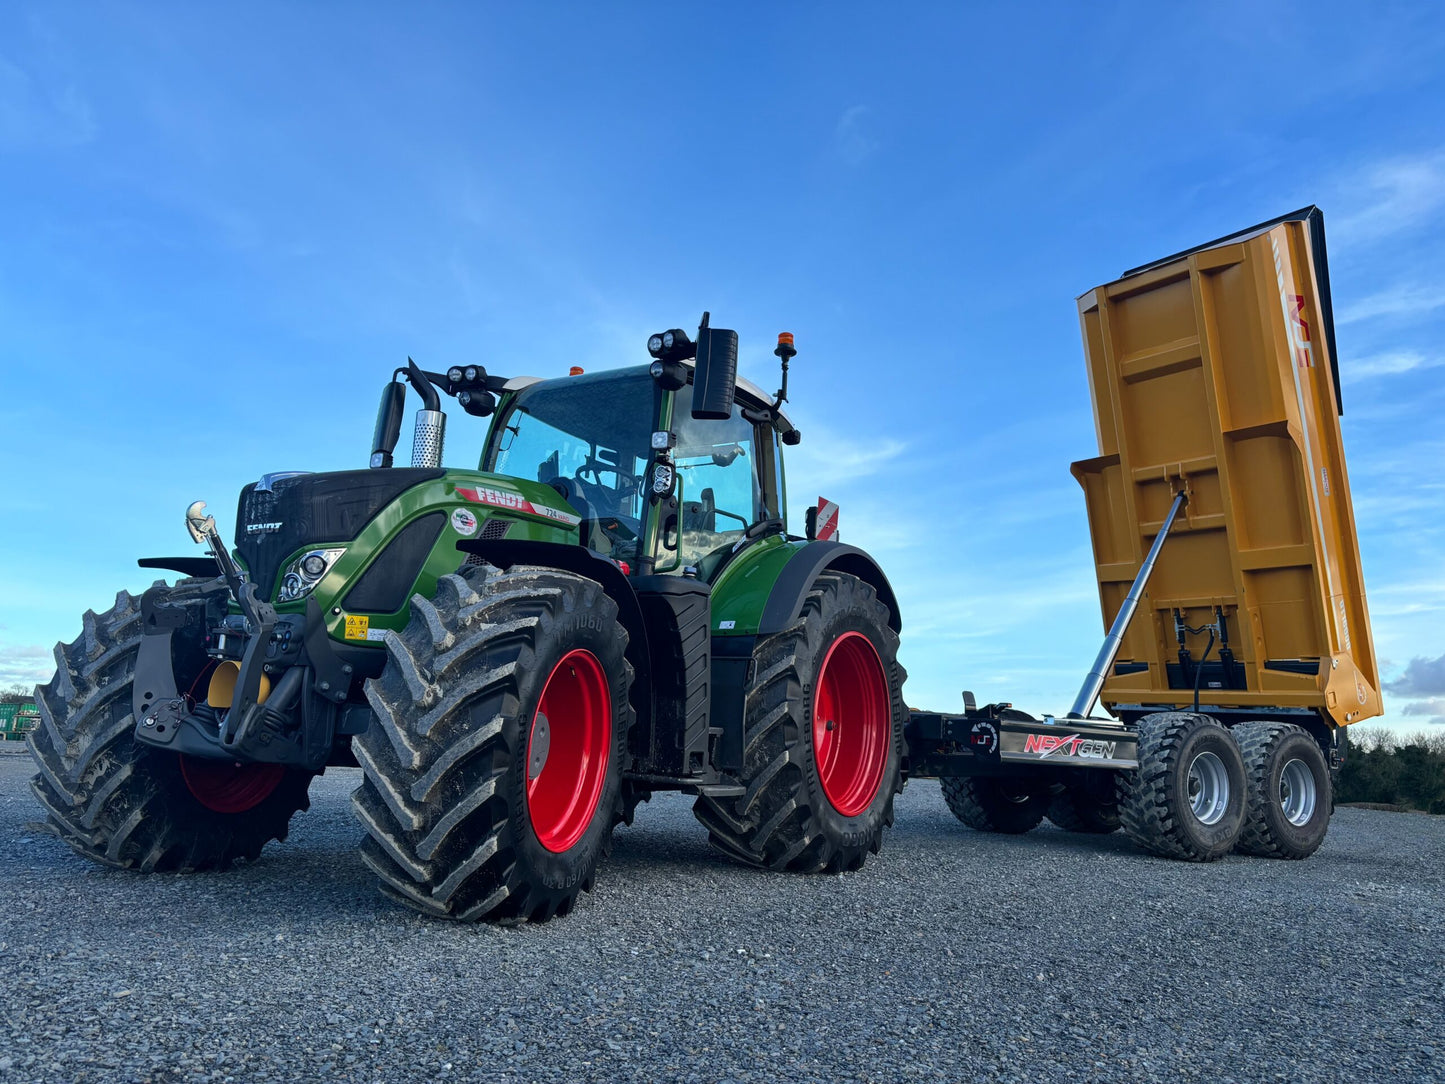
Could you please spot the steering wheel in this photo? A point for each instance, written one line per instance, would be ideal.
(619, 528)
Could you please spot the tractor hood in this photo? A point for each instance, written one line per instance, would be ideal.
(390, 522)
(282, 513)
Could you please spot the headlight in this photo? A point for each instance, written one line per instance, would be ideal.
(662, 479)
(454, 375)
(470, 374)
(303, 574)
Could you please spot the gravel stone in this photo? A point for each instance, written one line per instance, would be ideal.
(951, 956)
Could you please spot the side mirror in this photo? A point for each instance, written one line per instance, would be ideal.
(388, 423)
(714, 380)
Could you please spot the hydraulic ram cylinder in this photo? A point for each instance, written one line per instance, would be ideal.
(1109, 650)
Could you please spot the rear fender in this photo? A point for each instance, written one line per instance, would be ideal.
(790, 590)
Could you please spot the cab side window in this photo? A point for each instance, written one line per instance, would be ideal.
(717, 466)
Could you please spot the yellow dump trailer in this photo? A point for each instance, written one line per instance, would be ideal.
(1213, 373)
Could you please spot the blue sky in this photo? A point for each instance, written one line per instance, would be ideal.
(220, 229)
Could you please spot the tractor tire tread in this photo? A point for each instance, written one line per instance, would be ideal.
(104, 793)
(773, 824)
(432, 799)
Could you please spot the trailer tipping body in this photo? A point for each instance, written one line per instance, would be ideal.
(1213, 372)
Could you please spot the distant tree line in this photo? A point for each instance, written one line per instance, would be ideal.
(1389, 769)
(17, 694)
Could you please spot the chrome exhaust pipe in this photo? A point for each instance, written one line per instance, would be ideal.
(427, 438)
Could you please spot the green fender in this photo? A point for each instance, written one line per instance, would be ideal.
(761, 591)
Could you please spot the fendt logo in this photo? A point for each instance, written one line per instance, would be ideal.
(257, 528)
(1075, 745)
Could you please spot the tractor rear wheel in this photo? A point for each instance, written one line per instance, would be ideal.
(1187, 798)
(1289, 791)
(1011, 805)
(493, 772)
(129, 805)
(823, 738)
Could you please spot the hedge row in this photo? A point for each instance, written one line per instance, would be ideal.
(1384, 767)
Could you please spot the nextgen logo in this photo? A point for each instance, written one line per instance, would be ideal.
(1074, 745)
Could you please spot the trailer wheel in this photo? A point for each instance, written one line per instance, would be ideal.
(1011, 805)
(1087, 807)
(1187, 798)
(823, 738)
(493, 772)
(1289, 791)
(129, 805)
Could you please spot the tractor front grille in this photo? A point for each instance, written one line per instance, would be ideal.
(310, 509)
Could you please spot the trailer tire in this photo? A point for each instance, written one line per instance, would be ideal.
(129, 805)
(801, 812)
(1290, 797)
(1010, 805)
(463, 819)
(1081, 808)
(1187, 799)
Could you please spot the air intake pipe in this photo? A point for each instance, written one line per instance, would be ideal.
(430, 431)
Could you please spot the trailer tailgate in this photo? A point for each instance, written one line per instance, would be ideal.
(1213, 371)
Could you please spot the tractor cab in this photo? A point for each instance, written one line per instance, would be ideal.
(655, 486)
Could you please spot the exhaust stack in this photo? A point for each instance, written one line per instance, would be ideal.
(428, 437)
(431, 424)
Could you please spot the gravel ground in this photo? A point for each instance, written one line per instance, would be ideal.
(951, 956)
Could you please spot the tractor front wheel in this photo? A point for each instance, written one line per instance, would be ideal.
(823, 738)
(493, 773)
(129, 805)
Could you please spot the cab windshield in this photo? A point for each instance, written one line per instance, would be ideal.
(588, 436)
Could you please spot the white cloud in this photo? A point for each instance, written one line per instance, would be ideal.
(851, 135)
(1391, 196)
(1411, 300)
(827, 458)
(27, 664)
(1422, 677)
(1391, 363)
(1434, 709)
(1404, 599)
(35, 115)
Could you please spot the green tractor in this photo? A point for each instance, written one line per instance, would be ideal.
(515, 656)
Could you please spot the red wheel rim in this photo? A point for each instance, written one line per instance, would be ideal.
(577, 704)
(224, 786)
(852, 723)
